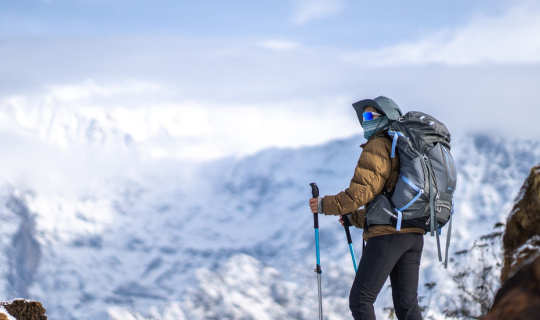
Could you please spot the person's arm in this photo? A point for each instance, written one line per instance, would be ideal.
(370, 175)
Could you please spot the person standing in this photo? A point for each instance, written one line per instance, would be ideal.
(388, 252)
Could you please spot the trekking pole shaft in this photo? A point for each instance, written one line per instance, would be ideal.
(320, 296)
(318, 270)
(353, 257)
(347, 223)
(315, 193)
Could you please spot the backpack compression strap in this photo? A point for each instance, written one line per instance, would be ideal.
(395, 134)
(448, 237)
(399, 211)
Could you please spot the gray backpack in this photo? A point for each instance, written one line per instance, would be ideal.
(423, 196)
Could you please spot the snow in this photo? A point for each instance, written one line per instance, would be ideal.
(4, 311)
(529, 250)
(167, 239)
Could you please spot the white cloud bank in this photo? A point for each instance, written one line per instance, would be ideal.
(89, 89)
(510, 38)
(308, 10)
(279, 45)
(113, 117)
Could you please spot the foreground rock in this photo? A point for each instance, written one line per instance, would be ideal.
(22, 310)
(521, 240)
(519, 297)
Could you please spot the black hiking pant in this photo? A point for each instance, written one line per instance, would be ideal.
(397, 255)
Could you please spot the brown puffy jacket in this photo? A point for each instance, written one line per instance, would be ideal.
(374, 172)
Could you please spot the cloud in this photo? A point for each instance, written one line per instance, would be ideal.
(279, 45)
(308, 10)
(129, 118)
(89, 89)
(509, 38)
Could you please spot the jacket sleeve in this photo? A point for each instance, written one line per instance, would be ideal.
(370, 175)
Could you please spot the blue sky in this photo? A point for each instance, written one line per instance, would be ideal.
(257, 74)
(354, 24)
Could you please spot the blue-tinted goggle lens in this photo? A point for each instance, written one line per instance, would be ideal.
(369, 115)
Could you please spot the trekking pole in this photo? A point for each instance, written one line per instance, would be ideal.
(318, 270)
(347, 224)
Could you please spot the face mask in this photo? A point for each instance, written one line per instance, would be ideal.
(373, 126)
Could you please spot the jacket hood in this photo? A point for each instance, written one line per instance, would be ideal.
(382, 103)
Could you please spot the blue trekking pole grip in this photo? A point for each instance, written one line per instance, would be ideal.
(347, 223)
(318, 270)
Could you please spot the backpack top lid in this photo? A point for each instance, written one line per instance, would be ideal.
(382, 103)
(422, 129)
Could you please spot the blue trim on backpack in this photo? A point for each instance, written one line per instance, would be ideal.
(395, 134)
(399, 218)
(399, 210)
(412, 201)
(407, 181)
(394, 143)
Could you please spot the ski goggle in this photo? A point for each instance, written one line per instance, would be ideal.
(369, 115)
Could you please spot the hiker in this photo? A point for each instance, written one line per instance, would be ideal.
(388, 252)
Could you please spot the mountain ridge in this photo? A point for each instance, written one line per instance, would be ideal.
(142, 241)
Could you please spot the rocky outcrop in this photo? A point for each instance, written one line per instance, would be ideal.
(22, 310)
(521, 240)
(519, 297)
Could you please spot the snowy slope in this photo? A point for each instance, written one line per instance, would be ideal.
(232, 238)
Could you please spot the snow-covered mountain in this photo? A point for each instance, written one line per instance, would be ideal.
(225, 239)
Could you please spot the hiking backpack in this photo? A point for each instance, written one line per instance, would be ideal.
(423, 195)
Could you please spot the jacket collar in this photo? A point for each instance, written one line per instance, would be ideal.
(376, 135)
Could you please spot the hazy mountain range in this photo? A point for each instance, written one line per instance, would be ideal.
(95, 228)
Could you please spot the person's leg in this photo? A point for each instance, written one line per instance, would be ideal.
(404, 279)
(378, 260)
